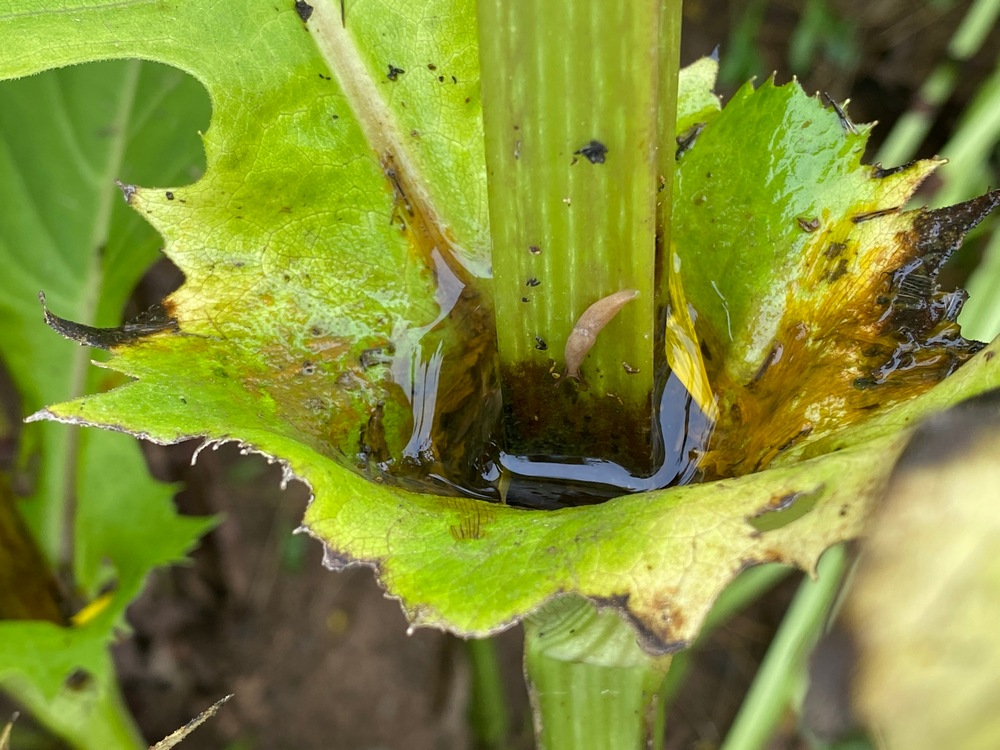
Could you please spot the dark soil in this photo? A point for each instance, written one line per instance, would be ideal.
(322, 661)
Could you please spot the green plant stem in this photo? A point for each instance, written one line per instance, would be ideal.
(591, 685)
(488, 707)
(911, 129)
(778, 675)
(578, 107)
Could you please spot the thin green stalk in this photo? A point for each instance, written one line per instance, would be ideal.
(592, 686)
(970, 146)
(575, 98)
(779, 674)
(749, 586)
(911, 129)
(487, 707)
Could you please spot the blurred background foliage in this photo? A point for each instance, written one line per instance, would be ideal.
(927, 71)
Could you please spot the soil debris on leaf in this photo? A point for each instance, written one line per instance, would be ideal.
(304, 9)
(594, 152)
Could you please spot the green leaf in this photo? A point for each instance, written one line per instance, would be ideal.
(697, 102)
(67, 231)
(325, 207)
(475, 567)
(816, 294)
(332, 296)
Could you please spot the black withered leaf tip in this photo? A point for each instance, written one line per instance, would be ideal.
(921, 317)
(154, 320)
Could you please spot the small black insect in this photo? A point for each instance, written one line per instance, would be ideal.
(845, 121)
(594, 152)
(79, 679)
(304, 9)
(394, 72)
(540, 344)
(686, 139)
(879, 173)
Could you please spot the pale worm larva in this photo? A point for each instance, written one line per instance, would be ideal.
(594, 318)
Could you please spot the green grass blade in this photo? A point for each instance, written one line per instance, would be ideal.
(488, 707)
(778, 675)
(910, 130)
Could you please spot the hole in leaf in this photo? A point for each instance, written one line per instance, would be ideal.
(785, 509)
